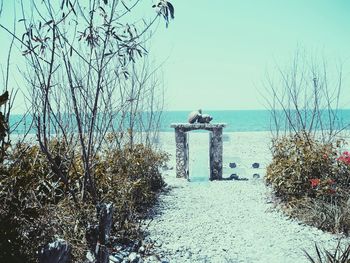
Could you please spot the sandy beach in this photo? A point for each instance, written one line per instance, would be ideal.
(227, 221)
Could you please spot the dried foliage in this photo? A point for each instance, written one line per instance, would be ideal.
(328, 214)
(36, 207)
(84, 81)
(132, 180)
(302, 166)
(312, 181)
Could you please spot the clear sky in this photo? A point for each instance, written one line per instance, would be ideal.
(217, 53)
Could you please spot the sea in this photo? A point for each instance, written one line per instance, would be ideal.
(235, 120)
(251, 120)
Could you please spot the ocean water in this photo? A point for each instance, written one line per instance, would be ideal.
(245, 120)
(236, 120)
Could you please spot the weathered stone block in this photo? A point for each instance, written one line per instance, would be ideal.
(215, 148)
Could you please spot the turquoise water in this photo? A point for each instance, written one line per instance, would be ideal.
(243, 120)
(236, 120)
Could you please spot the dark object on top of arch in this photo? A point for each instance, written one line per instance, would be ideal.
(197, 116)
(204, 118)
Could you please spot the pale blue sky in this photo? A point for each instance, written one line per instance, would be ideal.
(220, 50)
(217, 52)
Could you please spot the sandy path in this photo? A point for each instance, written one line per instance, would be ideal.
(229, 221)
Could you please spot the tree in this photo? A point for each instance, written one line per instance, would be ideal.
(82, 59)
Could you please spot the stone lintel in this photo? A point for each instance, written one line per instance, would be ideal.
(197, 126)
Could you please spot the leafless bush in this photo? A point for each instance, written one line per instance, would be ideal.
(305, 98)
(140, 108)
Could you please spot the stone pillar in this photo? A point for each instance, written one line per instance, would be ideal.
(181, 139)
(215, 154)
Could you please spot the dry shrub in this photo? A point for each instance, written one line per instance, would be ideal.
(311, 181)
(302, 166)
(130, 178)
(328, 214)
(27, 187)
(36, 207)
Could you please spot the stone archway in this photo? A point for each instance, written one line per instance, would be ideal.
(215, 148)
